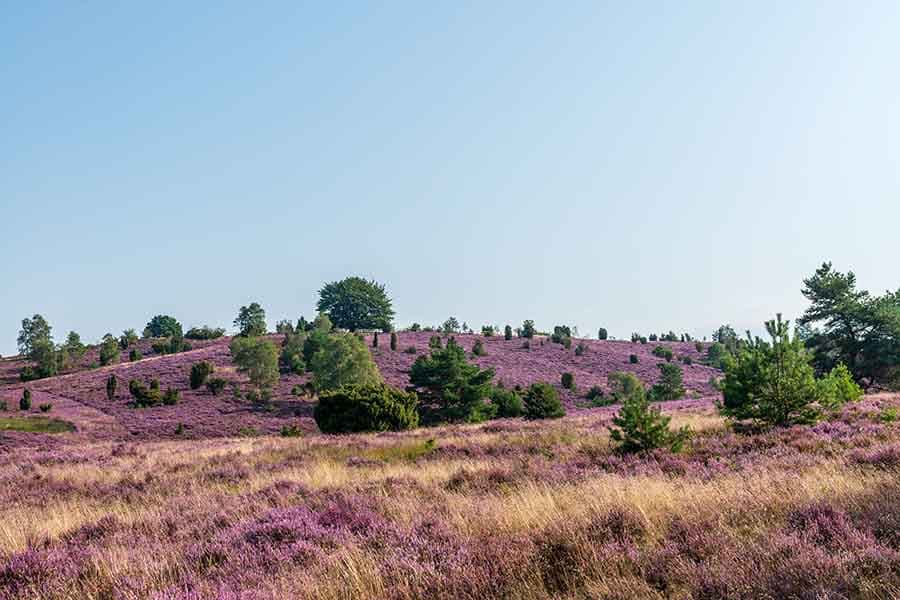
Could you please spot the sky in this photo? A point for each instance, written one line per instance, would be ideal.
(640, 166)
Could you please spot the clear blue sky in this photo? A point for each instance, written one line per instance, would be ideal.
(662, 165)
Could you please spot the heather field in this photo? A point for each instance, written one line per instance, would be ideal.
(204, 499)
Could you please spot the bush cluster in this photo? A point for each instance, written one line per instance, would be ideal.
(366, 407)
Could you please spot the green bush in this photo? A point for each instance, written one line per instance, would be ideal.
(542, 402)
(251, 320)
(633, 359)
(687, 360)
(478, 348)
(434, 342)
(375, 340)
(639, 428)
(171, 397)
(456, 389)
(838, 388)
(204, 333)
(715, 354)
(528, 329)
(291, 431)
(163, 326)
(698, 346)
(508, 403)
(257, 358)
(393, 341)
(3, 406)
(343, 360)
(128, 337)
(292, 359)
(598, 397)
(135, 354)
(663, 352)
(411, 350)
(771, 383)
(199, 372)
(25, 402)
(215, 385)
(670, 385)
(487, 330)
(111, 384)
(366, 407)
(567, 342)
(144, 397)
(568, 381)
(109, 350)
(172, 345)
(580, 349)
(602, 334)
(624, 386)
(46, 407)
(507, 333)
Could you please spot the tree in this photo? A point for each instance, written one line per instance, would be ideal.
(542, 402)
(639, 428)
(602, 334)
(506, 403)
(343, 360)
(393, 341)
(355, 303)
(771, 383)
(478, 348)
(34, 330)
(375, 340)
(25, 402)
(568, 381)
(257, 358)
(128, 337)
(507, 333)
(199, 372)
(457, 388)
(366, 407)
(204, 333)
(451, 325)
(858, 329)
(284, 327)
(109, 350)
(291, 359)
(528, 330)
(251, 320)
(624, 386)
(72, 351)
(670, 385)
(111, 384)
(163, 326)
(726, 336)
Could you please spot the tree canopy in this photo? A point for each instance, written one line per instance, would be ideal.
(163, 326)
(356, 303)
(343, 360)
(34, 331)
(458, 387)
(251, 320)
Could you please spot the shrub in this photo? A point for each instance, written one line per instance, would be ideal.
(111, 385)
(487, 330)
(542, 402)
(770, 383)
(888, 414)
(128, 337)
(580, 349)
(838, 388)
(508, 403)
(435, 342)
(393, 341)
(25, 402)
(163, 326)
(602, 334)
(109, 350)
(640, 428)
(171, 397)
(284, 327)
(343, 360)
(624, 386)
(415, 327)
(199, 372)
(411, 350)
(172, 345)
(3, 406)
(290, 431)
(375, 340)
(179, 429)
(144, 397)
(478, 348)
(663, 352)
(698, 346)
(46, 407)
(366, 407)
(456, 388)
(568, 381)
(633, 359)
(528, 329)
(251, 320)
(507, 333)
(567, 342)
(597, 397)
(257, 358)
(135, 355)
(215, 385)
(653, 337)
(687, 360)
(670, 385)
(291, 359)
(715, 355)
(204, 333)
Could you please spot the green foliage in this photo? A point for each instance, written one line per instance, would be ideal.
(25, 401)
(3, 406)
(770, 383)
(670, 385)
(633, 359)
(580, 349)
(204, 333)
(111, 384)
(528, 329)
(355, 303)
(35, 425)
(144, 397)
(567, 342)
(451, 325)
(715, 354)
(313, 343)
(597, 397)
(135, 354)
(507, 403)
(698, 346)
(838, 388)
(411, 350)
(73, 350)
(542, 402)
(653, 337)
(568, 381)
(128, 337)
(46, 407)
(171, 397)
(858, 329)
(663, 352)
(109, 350)
(284, 327)
(889, 414)
(507, 333)
(257, 358)
(366, 407)
(602, 334)
(172, 345)
(687, 360)
(163, 326)
(291, 431)
(375, 340)
(456, 387)
(251, 320)
(434, 342)
(487, 330)
(624, 386)
(639, 428)
(343, 360)
(291, 359)
(46, 360)
(34, 330)
(726, 336)
(393, 341)
(478, 348)
(199, 372)
(215, 385)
